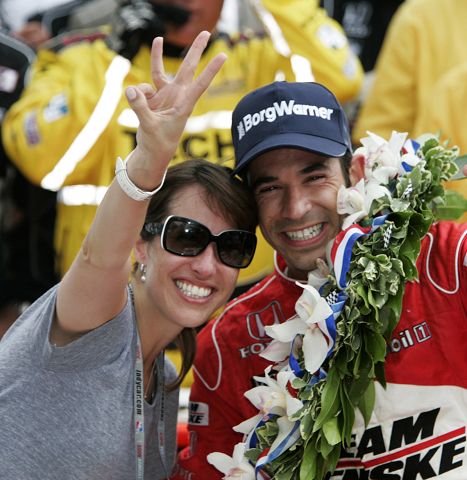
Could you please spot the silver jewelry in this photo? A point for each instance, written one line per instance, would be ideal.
(143, 269)
(128, 186)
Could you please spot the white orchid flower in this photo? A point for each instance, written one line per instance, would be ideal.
(356, 201)
(382, 157)
(235, 467)
(311, 308)
(277, 350)
(272, 397)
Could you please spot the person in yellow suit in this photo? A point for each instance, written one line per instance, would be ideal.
(445, 114)
(73, 119)
(424, 42)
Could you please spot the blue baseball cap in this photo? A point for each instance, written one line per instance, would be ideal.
(304, 115)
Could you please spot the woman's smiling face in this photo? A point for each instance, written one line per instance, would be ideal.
(187, 290)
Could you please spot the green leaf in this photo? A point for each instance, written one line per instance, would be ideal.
(329, 400)
(347, 415)
(367, 402)
(331, 431)
(460, 162)
(308, 465)
(375, 345)
(332, 459)
(306, 426)
(455, 206)
(325, 448)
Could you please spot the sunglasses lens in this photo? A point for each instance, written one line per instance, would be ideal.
(188, 238)
(236, 248)
(184, 238)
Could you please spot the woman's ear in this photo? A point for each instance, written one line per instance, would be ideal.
(141, 250)
(357, 168)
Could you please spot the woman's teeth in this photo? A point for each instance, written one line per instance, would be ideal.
(306, 233)
(192, 290)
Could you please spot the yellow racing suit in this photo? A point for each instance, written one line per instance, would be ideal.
(73, 120)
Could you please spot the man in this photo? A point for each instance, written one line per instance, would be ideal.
(293, 148)
(72, 121)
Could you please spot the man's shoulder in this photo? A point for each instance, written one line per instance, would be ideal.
(444, 236)
(442, 256)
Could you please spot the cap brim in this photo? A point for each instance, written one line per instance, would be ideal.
(302, 141)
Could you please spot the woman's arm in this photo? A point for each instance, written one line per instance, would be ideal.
(93, 290)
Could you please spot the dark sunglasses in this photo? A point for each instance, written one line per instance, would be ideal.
(188, 238)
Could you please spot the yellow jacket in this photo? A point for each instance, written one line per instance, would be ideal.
(73, 120)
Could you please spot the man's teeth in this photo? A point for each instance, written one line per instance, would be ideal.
(306, 233)
(192, 290)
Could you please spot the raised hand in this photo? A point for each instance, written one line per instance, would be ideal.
(164, 108)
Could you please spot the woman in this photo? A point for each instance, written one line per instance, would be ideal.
(82, 371)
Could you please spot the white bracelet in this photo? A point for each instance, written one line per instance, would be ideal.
(128, 186)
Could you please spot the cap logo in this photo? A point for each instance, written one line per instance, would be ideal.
(270, 114)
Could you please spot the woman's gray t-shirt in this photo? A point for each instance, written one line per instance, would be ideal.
(67, 412)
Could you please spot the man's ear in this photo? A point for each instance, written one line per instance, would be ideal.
(357, 168)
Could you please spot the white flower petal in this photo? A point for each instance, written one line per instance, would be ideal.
(321, 312)
(247, 425)
(384, 174)
(311, 293)
(411, 160)
(319, 276)
(259, 395)
(350, 200)
(397, 140)
(315, 349)
(276, 351)
(343, 206)
(361, 151)
(283, 378)
(285, 332)
(354, 218)
(221, 461)
(373, 141)
(236, 467)
(239, 452)
(374, 191)
(293, 405)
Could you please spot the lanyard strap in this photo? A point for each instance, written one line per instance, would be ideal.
(161, 412)
(139, 411)
(138, 405)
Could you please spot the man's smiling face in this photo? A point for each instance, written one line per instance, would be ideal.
(296, 193)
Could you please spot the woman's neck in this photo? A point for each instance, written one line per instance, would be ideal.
(155, 333)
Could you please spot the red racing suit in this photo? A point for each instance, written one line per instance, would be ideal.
(419, 422)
